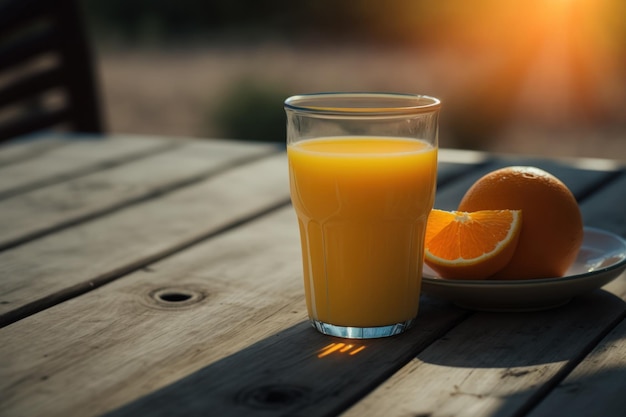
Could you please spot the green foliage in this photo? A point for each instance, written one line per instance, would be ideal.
(251, 110)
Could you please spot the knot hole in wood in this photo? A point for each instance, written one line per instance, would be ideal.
(176, 297)
(273, 396)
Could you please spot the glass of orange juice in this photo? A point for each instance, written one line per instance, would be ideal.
(362, 171)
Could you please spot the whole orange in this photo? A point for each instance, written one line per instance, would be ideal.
(552, 227)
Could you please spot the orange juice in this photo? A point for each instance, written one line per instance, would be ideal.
(362, 205)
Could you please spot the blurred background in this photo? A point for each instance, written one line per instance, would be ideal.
(543, 77)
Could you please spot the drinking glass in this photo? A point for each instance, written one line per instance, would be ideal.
(362, 171)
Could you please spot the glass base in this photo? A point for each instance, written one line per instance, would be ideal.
(361, 332)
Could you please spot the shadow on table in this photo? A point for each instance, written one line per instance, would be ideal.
(597, 393)
(591, 388)
(301, 372)
(506, 340)
(297, 371)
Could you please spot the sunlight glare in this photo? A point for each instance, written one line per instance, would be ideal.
(350, 349)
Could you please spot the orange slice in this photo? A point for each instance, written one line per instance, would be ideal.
(471, 245)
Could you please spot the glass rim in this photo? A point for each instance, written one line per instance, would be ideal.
(362, 103)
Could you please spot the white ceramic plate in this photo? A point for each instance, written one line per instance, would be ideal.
(601, 259)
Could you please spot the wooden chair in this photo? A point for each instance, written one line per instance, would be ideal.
(46, 74)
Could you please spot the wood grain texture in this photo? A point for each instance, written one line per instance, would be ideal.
(596, 387)
(20, 151)
(251, 292)
(76, 259)
(41, 211)
(495, 364)
(294, 372)
(188, 300)
(74, 158)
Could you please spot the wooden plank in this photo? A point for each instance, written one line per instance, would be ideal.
(605, 207)
(24, 290)
(496, 364)
(31, 215)
(294, 372)
(53, 268)
(19, 151)
(596, 387)
(76, 158)
(134, 344)
(243, 291)
(245, 304)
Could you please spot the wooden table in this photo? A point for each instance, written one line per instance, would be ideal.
(161, 277)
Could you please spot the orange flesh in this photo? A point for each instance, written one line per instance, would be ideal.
(474, 245)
